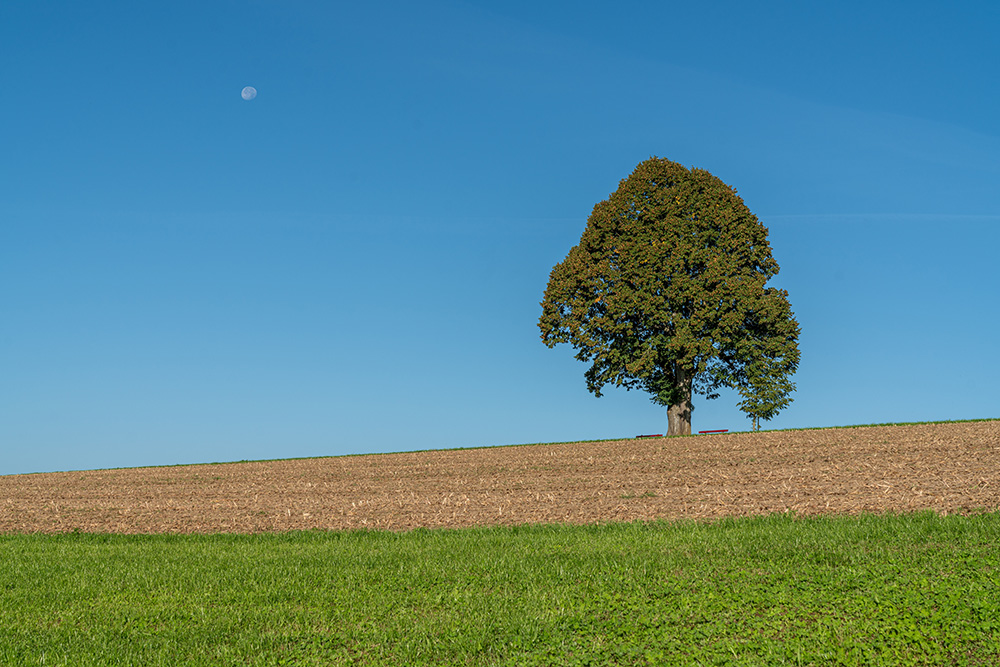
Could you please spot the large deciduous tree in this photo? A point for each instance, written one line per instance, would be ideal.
(666, 292)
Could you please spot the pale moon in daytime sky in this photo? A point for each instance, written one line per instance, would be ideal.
(249, 93)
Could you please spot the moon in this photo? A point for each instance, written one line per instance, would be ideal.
(249, 93)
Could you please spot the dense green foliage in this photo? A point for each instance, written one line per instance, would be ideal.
(871, 590)
(666, 292)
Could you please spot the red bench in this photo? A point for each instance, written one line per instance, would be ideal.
(660, 435)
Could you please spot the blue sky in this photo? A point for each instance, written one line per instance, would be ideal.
(352, 262)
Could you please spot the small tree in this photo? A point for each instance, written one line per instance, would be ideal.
(766, 389)
(666, 292)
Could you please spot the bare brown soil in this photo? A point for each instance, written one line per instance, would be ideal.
(949, 468)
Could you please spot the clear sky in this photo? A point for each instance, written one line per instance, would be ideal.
(353, 261)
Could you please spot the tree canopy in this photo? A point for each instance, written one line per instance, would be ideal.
(666, 292)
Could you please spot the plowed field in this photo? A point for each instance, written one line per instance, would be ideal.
(949, 468)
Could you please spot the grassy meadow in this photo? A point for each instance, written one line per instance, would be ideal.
(916, 589)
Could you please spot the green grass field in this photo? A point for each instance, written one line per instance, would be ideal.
(871, 590)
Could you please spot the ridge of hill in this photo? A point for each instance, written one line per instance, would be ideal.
(949, 467)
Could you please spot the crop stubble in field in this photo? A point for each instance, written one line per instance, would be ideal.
(950, 468)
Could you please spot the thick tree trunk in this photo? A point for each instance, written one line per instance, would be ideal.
(679, 419)
(679, 415)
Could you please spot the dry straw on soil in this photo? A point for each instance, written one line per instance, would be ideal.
(950, 468)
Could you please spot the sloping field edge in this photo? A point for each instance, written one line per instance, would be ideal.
(520, 444)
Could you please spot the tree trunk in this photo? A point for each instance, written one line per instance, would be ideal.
(679, 415)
